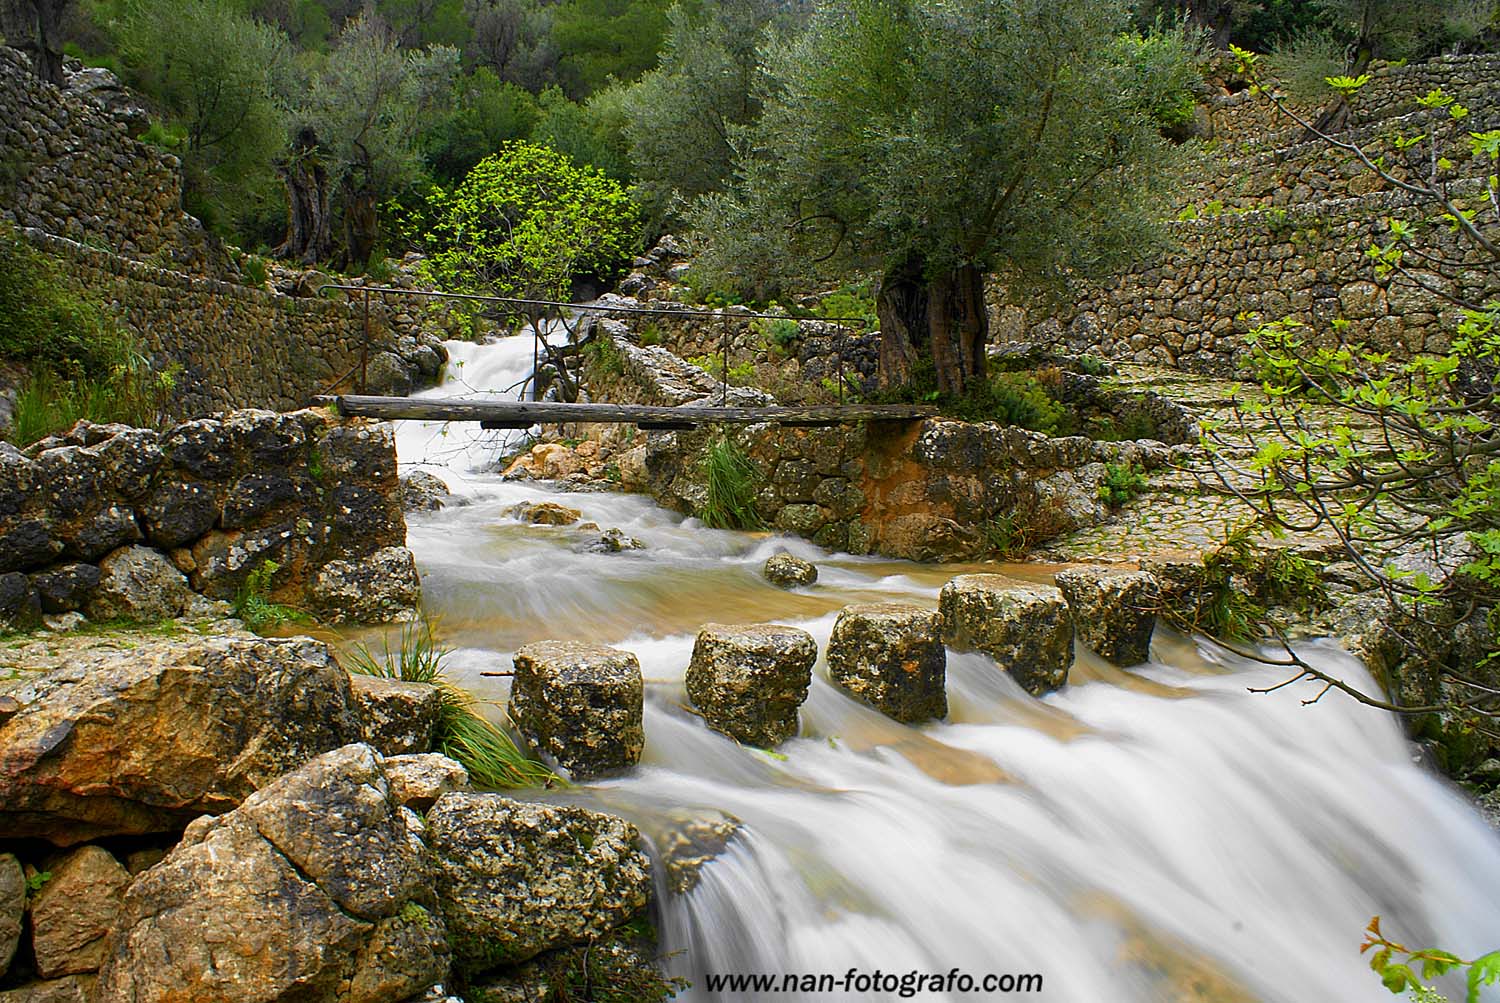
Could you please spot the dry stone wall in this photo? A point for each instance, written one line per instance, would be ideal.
(1282, 229)
(126, 523)
(108, 209)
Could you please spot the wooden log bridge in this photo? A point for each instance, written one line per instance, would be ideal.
(502, 413)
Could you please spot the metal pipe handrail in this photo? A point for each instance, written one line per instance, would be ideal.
(722, 313)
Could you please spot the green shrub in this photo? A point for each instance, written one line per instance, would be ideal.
(605, 357)
(526, 221)
(650, 335)
(732, 482)
(252, 603)
(849, 303)
(489, 754)
(1122, 483)
(777, 335)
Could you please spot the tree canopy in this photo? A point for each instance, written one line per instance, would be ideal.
(933, 141)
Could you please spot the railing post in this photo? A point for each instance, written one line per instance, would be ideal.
(364, 350)
(724, 372)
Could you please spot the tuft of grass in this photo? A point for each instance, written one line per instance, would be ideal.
(488, 753)
(252, 603)
(732, 482)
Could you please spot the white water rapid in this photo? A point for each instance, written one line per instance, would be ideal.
(1160, 835)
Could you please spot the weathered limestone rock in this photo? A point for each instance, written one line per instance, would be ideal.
(544, 513)
(74, 912)
(398, 717)
(614, 541)
(1113, 612)
(891, 657)
(143, 737)
(417, 781)
(580, 704)
(516, 879)
(379, 588)
(789, 571)
(689, 842)
(1026, 629)
(749, 681)
(138, 584)
(308, 891)
(12, 908)
(626, 968)
(423, 492)
(66, 587)
(70, 989)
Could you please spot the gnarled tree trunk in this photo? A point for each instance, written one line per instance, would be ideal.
(309, 229)
(940, 317)
(361, 226)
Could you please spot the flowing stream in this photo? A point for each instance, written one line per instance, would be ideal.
(1158, 835)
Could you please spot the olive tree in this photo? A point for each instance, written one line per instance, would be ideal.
(931, 141)
(366, 110)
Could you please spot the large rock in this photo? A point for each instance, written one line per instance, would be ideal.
(516, 879)
(891, 657)
(140, 585)
(423, 492)
(788, 571)
(417, 781)
(142, 735)
(1026, 629)
(750, 681)
(313, 890)
(71, 989)
(74, 912)
(581, 704)
(544, 513)
(1114, 612)
(12, 908)
(379, 588)
(398, 717)
(67, 587)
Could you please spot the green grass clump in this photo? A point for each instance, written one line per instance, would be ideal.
(252, 603)
(81, 366)
(489, 754)
(732, 482)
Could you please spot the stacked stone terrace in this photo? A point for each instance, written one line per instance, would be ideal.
(1276, 225)
(79, 186)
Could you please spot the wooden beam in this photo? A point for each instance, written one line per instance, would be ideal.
(521, 414)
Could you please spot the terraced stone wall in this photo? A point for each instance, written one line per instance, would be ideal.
(1280, 228)
(121, 522)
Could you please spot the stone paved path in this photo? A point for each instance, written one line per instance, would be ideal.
(1184, 511)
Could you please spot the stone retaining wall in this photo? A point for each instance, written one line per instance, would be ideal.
(119, 522)
(70, 167)
(1392, 92)
(703, 334)
(1189, 307)
(930, 490)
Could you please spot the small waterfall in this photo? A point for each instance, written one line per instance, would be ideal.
(1158, 835)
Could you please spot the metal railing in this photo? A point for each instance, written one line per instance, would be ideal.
(537, 310)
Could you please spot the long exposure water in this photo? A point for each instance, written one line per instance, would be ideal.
(1156, 835)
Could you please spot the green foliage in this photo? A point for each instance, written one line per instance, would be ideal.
(732, 482)
(1241, 581)
(488, 113)
(682, 117)
(81, 365)
(1015, 532)
(602, 40)
(1304, 61)
(252, 602)
(1398, 967)
(526, 221)
(891, 138)
(589, 133)
(219, 75)
(1122, 483)
(851, 301)
(368, 103)
(778, 335)
(605, 357)
(488, 753)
